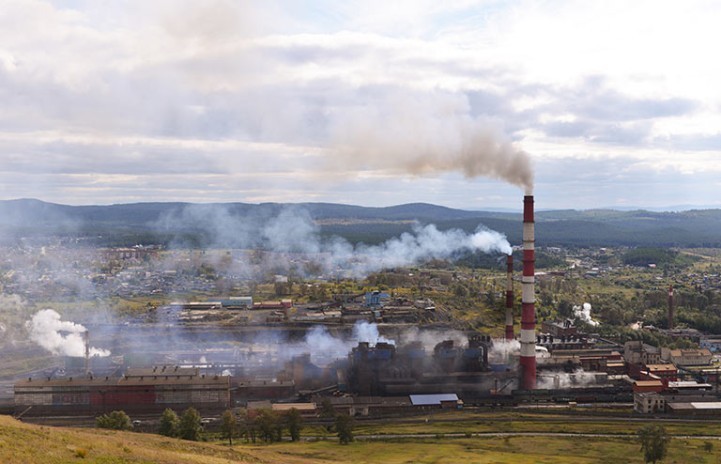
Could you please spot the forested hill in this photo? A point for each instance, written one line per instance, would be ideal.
(161, 223)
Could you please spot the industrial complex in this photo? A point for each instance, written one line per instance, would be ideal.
(365, 353)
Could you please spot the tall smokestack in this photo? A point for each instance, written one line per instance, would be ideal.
(528, 299)
(509, 297)
(670, 307)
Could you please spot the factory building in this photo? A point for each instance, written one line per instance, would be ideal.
(637, 352)
(687, 357)
(139, 391)
(385, 369)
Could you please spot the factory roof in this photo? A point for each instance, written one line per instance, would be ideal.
(174, 371)
(661, 367)
(266, 383)
(430, 400)
(301, 407)
(689, 384)
(264, 404)
(156, 380)
(711, 405)
(648, 383)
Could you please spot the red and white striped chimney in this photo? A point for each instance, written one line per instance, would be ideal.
(509, 297)
(528, 299)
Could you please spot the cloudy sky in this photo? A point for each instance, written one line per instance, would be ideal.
(461, 103)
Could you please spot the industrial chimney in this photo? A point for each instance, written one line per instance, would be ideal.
(528, 299)
(670, 307)
(509, 297)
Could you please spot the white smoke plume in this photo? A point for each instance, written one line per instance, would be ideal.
(64, 338)
(584, 313)
(425, 133)
(429, 339)
(325, 348)
(424, 243)
(319, 342)
(579, 378)
(502, 351)
(368, 332)
(292, 230)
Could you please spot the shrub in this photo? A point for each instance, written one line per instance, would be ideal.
(116, 420)
(169, 423)
(189, 427)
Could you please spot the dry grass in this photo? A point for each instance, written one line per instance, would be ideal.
(22, 443)
(25, 443)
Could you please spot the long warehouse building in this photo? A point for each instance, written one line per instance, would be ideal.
(139, 391)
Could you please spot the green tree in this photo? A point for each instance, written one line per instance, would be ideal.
(344, 428)
(189, 427)
(116, 420)
(326, 408)
(229, 426)
(169, 423)
(294, 422)
(246, 424)
(270, 427)
(654, 442)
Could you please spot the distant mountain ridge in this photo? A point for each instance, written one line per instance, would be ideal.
(123, 224)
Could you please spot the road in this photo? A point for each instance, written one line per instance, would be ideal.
(516, 434)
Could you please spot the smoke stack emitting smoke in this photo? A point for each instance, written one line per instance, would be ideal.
(421, 136)
(528, 299)
(62, 338)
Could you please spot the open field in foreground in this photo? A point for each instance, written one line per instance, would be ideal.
(25, 443)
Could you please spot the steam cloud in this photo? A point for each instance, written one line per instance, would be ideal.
(579, 378)
(584, 313)
(63, 338)
(292, 230)
(325, 348)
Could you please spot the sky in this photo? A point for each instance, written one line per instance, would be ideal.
(462, 103)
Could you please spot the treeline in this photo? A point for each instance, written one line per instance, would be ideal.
(251, 425)
(142, 223)
(645, 256)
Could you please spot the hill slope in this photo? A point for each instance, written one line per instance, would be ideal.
(189, 224)
(22, 443)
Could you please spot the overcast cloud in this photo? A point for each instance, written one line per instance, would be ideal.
(613, 104)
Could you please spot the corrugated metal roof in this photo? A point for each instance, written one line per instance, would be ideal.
(698, 405)
(709, 405)
(430, 400)
(661, 367)
(159, 380)
(648, 383)
(689, 384)
(298, 406)
(162, 370)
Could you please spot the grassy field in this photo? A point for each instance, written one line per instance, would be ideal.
(513, 422)
(24, 443)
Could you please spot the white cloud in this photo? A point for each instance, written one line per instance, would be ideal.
(240, 100)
